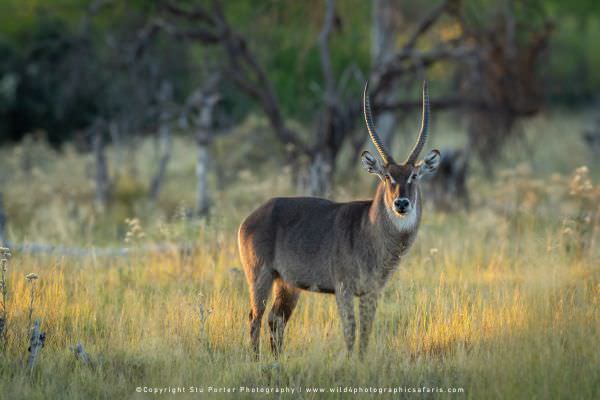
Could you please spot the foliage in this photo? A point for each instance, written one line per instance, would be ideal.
(63, 70)
(56, 77)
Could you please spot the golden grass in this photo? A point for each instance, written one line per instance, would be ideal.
(494, 301)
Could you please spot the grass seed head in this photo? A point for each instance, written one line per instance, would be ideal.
(31, 277)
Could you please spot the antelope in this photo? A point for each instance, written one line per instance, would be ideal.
(295, 244)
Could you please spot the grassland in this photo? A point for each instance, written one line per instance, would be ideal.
(502, 301)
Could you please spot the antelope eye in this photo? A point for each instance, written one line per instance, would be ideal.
(413, 177)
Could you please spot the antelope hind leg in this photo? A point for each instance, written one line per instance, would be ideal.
(285, 299)
(345, 303)
(260, 288)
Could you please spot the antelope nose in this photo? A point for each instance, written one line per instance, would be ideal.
(401, 205)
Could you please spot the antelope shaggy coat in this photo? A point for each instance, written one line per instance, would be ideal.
(290, 245)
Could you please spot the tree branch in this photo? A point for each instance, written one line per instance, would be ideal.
(252, 79)
(197, 14)
(410, 60)
(426, 23)
(442, 103)
(330, 90)
(242, 65)
(202, 34)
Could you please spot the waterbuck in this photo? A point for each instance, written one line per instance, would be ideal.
(347, 249)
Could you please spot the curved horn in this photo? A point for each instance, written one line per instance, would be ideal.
(422, 138)
(371, 128)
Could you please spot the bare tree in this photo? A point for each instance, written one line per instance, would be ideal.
(166, 113)
(198, 112)
(115, 131)
(103, 184)
(503, 78)
(335, 120)
(383, 47)
(333, 124)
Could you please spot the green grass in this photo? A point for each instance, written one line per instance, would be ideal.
(502, 301)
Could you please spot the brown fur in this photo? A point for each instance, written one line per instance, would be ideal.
(348, 249)
(303, 243)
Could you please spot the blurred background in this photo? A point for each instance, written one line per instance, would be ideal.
(177, 114)
(136, 135)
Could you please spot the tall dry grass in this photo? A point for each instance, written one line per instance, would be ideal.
(502, 301)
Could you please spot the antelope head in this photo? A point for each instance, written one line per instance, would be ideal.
(400, 181)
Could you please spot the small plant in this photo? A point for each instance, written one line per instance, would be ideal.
(203, 313)
(37, 337)
(31, 278)
(4, 256)
(81, 354)
(134, 231)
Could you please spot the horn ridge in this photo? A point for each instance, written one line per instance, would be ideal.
(387, 159)
(422, 138)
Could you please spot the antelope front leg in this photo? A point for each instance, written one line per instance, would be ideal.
(345, 303)
(366, 309)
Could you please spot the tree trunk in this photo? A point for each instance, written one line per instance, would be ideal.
(199, 109)
(132, 146)
(381, 28)
(382, 48)
(202, 167)
(102, 177)
(167, 146)
(3, 240)
(114, 131)
(320, 174)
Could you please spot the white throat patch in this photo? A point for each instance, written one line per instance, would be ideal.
(406, 222)
(403, 223)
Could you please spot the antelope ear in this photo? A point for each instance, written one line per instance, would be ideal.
(372, 164)
(430, 163)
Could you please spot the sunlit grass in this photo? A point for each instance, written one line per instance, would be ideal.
(442, 321)
(497, 301)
